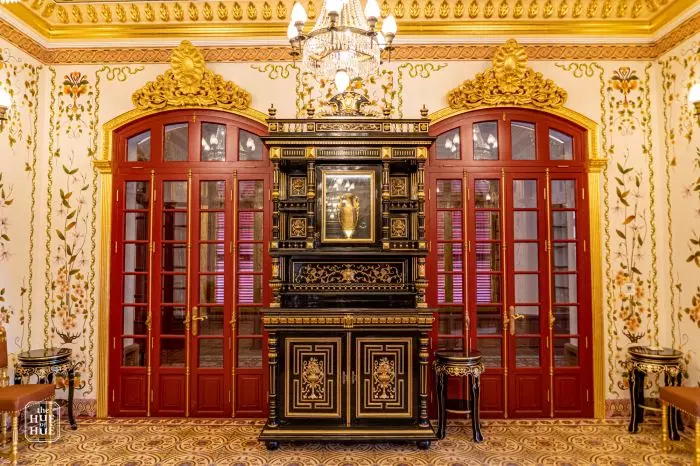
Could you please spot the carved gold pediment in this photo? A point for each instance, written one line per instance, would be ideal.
(188, 83)
(509, 81)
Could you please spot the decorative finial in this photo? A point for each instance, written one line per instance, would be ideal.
(424, 112)
(310, 110)
(387, 111)
(272, 111)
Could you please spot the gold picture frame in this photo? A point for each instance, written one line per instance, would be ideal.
(345, 198)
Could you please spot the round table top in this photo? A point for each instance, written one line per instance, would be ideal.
(48, 355)
(658, 353)
(462, 356)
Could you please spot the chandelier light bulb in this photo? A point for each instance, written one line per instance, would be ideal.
(372, 9)
(342, 80)
(334, 6)
(389, 27)
(381, 41)
(299, 14)
(694, 94)
(292, 32)
(5, 98)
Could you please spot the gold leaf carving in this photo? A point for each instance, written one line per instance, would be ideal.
(222, 12)
(399, 9)
(77, 14)
(106, 14)
(48, 11)
(548, 9)
(164, 13)
(488, 9)
(652, 6)
(121, 13)
(429, 9)
(267, 11)
(327, 274)
(37, 4)
(178, 12)
(252, 11)
(415, 9)
(149, 12)
(607, 8)
(237, 12)
(386, 9)
(592, 9)
(459, 9)
(193, 12)
(135, 13)
(473, 9)
(282, 10)
(503, 9)
(189, 83)
(92, 13)
(563, 9)
(312, 10)
(518, 9)
(622, 8)
(444, 9)
(636, 8)
(207, 12)
(62, 15)
(534, 8)
(509, 81)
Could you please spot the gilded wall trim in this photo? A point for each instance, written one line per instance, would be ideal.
(463, 51)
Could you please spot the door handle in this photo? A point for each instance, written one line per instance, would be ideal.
(195, 318)
(513, 317)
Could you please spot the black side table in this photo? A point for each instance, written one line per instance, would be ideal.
(45, 364)
(458, 364)
(643, 360)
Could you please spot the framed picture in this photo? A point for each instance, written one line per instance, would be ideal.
(347, 206)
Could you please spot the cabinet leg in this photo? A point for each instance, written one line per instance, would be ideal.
(442, 401)
(423, 444)
(272, 445)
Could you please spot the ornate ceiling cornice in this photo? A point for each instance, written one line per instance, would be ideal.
(464, 51)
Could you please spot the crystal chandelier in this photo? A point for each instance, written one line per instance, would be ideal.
(344, 43)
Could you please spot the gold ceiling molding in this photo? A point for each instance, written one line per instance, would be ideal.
(509, 81)
(188, 83)
(76, 20)
(464, 51)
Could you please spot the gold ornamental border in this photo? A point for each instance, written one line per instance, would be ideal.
(464, 51)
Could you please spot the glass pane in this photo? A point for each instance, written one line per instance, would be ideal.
(175, 226)
(566, 320)
(566, 352)
(449, 194)
(487, 194)
(250, 258)
(250, 226)
(450, 344)
(139, 147)
(250, 146)
(212, 195)
(563, 194)
(133, 352)
(214, 322)
(135, 257)
(249, 352)
(172, 352)
(525, 194)
(211, 289)
(525, 257)
(490, 349)
(451, 321)
(136, 226)
(211, 352)
(250, 194)
(250, 289)
(175, 194)
(174, 258)
(211, 226)
(173, 289)
(449, 225)
(249, 321)
(137, 195)
(450, 289)
(489, 320)
(213, 142)
(450, 257)
(564, 225)
(560, 146)
(172, 320)
(565, 288)
(488, 288)
(211, 257)
(525, 225)
(134, 320)
(527, 352)
(526, 288)
(135, 288)
(522, 140)
(488, 225)
(564, 256)
(530, 322)
(488, 256)
(485, 140)
(176, 142)
(447, 145)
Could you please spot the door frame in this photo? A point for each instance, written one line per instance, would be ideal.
(595, 163)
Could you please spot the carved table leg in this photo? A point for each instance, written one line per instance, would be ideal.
(71, 388)
(679, 417)
(475, 385)
(639, 385)
(633, 402)
(442, 404)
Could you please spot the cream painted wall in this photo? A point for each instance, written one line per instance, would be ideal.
(649, 219)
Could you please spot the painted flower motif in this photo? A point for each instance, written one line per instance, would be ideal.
(620, 278)
(625, 80)
(75, 85)
(632, 323)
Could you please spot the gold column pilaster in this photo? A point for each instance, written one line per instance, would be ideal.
(105, 170)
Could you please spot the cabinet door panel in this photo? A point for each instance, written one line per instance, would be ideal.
(312, 377)
(384, 377)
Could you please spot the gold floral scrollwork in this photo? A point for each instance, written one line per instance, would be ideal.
(189, 83)
(312, 379)
(509, 81)
(384, 379)
(297, 227)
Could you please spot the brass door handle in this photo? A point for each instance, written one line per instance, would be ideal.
(195, 318)
(513, 317)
